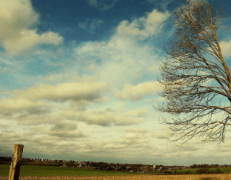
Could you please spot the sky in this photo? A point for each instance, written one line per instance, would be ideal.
(78, 81)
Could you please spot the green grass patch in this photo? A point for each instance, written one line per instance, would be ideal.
(31, 170)
(34, 170)
(193, 170)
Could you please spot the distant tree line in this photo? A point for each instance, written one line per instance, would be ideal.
(208, 165)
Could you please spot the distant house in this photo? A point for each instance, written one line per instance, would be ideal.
(117, 167)
(144, 167)
(128, 167)
(96, 167)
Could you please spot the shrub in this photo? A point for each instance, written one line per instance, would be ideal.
(168, 172)
(212, 172)
(218, 171)
(188, 172)
(202, 171)
(206, 171)
(70, 163)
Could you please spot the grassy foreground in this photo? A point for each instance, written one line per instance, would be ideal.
(31, 170)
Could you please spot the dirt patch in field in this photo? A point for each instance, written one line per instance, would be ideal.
(131, 177)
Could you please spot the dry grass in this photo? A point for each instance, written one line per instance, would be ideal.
(133, 177)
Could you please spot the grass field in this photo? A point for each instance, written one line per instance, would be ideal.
(193, 170)
(31, 170)
(48, 171)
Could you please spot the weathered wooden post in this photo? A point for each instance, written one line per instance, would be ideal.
(16, 162)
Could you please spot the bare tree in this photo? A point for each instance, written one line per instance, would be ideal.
(187, 75)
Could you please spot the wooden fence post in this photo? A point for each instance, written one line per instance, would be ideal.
(16, 162)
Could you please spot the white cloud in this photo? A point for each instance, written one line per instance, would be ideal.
(120, 59)
(138, 130)
(102, 4)
(101, 118)
(64, 126)
(64, 129)
(36, 119)
(126, 121)
(71, 114)
(226, 48)
(154, 69)
(136, 92)
(162, 133)
(91, 25)
(131, 118)
(64, 92)
(137, 113)
(16, 105)
(92, 2)
(108, 117)
(160, 99)
(17, 19)
(133, 139)
(143, 27)
(123, 57)
(55, 77)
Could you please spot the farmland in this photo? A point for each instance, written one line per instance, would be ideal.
(31, 170)
(48, 173)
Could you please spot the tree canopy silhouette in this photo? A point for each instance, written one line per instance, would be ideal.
(192, 83)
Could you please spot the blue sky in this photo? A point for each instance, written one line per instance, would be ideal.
(78, 80)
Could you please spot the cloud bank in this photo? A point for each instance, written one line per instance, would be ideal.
(18, 33)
